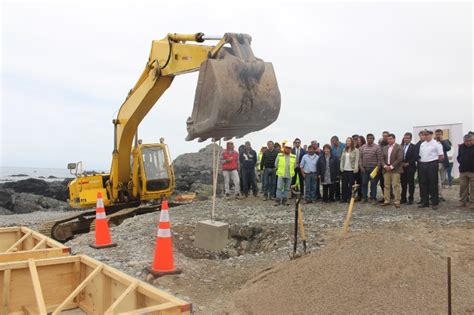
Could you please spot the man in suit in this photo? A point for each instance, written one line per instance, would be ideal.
(298, 151)
(392, 168)
(409, 169)
(417, 156)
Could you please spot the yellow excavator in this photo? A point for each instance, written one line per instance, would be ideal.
(236, 93)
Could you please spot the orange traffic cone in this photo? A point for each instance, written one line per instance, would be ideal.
(163, 262)
(102, 234)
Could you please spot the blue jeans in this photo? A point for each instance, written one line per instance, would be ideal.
(450, 176)
(283, 187)
(269, 181)
(310, 186)
(249, 179)
(365, 184)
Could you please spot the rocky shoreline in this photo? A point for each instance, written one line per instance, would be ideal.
(193, 172)
(30, 195)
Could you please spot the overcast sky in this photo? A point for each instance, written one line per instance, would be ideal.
(66, 67)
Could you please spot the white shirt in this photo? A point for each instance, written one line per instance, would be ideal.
(347, 162)
(430, 151)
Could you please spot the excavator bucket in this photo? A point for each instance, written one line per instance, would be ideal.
(236, 93)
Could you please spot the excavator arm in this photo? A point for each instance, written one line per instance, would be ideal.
(168, 57)
(236, 94)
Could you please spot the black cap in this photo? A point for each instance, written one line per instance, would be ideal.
(427, 131)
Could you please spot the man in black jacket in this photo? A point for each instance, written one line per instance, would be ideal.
(409, 169)
(299, 152)
(417, 157)
(248, 160)
(466, 169)
(269, 172)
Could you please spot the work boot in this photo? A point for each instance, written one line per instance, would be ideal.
(278, 202)
(265, 197)
(462, 204)
(284, 202)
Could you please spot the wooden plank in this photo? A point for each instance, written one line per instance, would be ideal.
(7, 239)
(79, 288)
(37, 287)
(145, 310)
(18, 242)
(28, 310)
(159, 295)
(32, 254)
(39, 244)
(10, 229)
(119, 300)
(6, 291)
(69, 306)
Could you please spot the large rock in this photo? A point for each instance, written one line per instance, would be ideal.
(25, 203)
(6, 198)
(4, 211)
(193, 172)
(56, 190)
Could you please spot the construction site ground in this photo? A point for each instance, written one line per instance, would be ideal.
(394, 260)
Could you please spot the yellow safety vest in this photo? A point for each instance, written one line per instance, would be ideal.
(282, 165)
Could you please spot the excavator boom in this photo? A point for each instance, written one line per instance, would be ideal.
(236, 94)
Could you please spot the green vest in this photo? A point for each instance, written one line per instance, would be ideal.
(282, 165)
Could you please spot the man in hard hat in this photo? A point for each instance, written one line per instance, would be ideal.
(285, 165)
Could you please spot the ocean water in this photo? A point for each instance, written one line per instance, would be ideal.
(9, 174)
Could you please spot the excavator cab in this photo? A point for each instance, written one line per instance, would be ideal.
(236, 93)
(155, 171)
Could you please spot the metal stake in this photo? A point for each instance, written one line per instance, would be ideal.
(449, 287)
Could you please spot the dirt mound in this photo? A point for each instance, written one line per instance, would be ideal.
(370, 273)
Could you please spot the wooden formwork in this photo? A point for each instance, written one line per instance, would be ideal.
(80, 285)
(21, 243)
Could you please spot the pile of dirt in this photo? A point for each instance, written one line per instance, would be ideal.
(370, 273)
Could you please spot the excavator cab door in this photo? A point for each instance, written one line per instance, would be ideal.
(236, 94)
(156, 173)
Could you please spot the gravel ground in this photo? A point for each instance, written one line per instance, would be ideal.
(261, 235)
(35, 219)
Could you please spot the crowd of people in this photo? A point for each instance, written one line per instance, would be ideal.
(328, 174)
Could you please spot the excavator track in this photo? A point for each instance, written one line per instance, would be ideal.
(64, 229)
